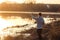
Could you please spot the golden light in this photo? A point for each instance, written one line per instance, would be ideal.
(48, 1)
(1, 1)
(13, 21)
(33, 1)
(16, 1)
(4, 23)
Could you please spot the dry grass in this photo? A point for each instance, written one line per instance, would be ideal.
(50, 32)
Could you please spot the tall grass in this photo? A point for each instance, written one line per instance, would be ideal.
(51, 31)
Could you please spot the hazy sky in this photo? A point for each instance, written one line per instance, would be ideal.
(34, 1)
(48, 1)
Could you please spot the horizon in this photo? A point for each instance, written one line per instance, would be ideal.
(31, 1)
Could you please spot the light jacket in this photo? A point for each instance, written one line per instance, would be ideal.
(40, 21)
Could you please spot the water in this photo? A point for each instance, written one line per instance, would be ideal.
(13, 18)
(10, 22)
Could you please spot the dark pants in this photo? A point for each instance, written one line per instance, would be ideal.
(39, 32)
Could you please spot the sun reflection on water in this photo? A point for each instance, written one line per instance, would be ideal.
(13, 21)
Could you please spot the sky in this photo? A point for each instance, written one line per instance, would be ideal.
(34, 1)
(48, 1)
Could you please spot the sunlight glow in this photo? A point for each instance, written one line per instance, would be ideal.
(33, 1)
(6, 26)
(48, 1)
(13, 21)
(1, 1)
(3, 23)
(16, 1)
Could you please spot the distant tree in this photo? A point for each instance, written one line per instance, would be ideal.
(54, 8)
